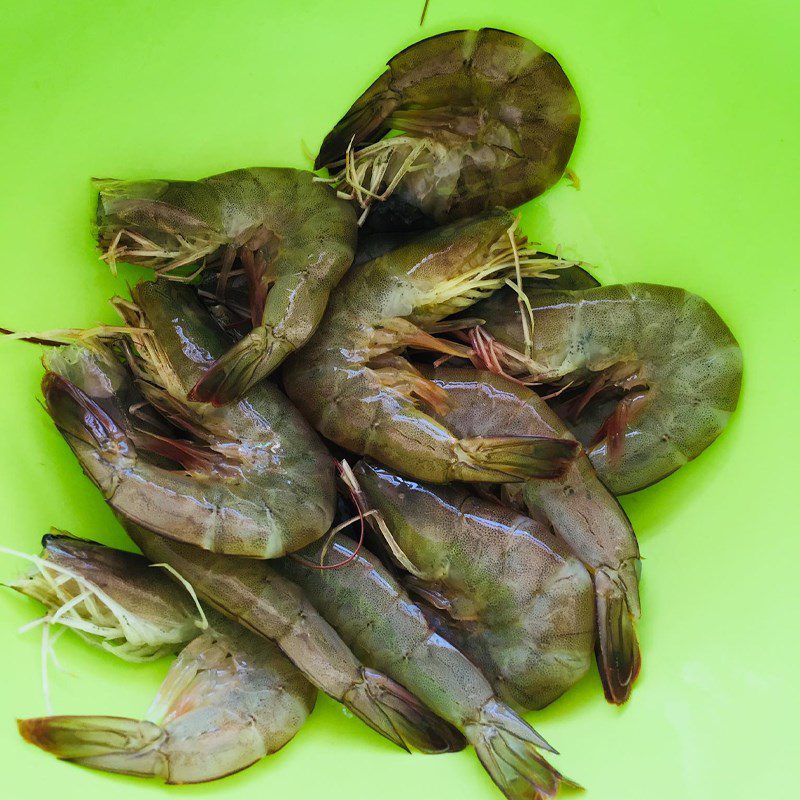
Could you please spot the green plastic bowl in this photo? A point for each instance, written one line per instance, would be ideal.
(687, 159)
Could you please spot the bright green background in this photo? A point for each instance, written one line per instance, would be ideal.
(688, 164)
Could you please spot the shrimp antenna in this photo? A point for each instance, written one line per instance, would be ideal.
(349, 480)
(60, 337)
(377, 521)
(424, 13)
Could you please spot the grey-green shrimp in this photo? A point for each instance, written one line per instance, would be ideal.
(583, 512)
(376, 617)
(253, 594)
(290, 235)
(229, 699)
(658, 370)
(354, 386)
(515, 599)
(254, 479)
(485, 118)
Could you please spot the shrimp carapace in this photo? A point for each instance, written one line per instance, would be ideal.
(111, 598)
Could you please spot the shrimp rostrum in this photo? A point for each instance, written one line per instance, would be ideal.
(353, 385)
(251, 478)
(484, 118)
(256, 596)
(229, 699)
(582, 511)
(654, 373)
(290, 236)
(514, 598)
(383, 625)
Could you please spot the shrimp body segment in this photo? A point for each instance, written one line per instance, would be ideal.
(375, 616)
(229, 699)
(519, 602)
(253, 594)
(661, 372)
(582, 511)
(291, 235)
(251, 478)
(485, 118)
(355, 388)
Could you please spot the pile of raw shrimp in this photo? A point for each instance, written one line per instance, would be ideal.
(372, 437)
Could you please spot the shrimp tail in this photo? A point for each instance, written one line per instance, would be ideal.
(522, 457)
(618, 656)
(507, 747)
(397, 714)
(247, 362)
(112, 744)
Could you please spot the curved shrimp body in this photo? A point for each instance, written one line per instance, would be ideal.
(253, 594)
(582, 511)
(256, 479)
(229, 699)
(486, 118)
(355, 389)
(290, 234)
(519, 603)
(376, 617)
(111, 598)
(662, 372)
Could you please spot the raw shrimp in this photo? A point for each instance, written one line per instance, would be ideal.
(520, 603)
(355, 389)
(659, 372)
(375, 616)
(486, 118)
(253, 594)
(292, 237)
(111, 598)
(256, 480)
(229, 699)
(582, 511)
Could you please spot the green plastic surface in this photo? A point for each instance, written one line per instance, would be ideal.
(687, 159)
